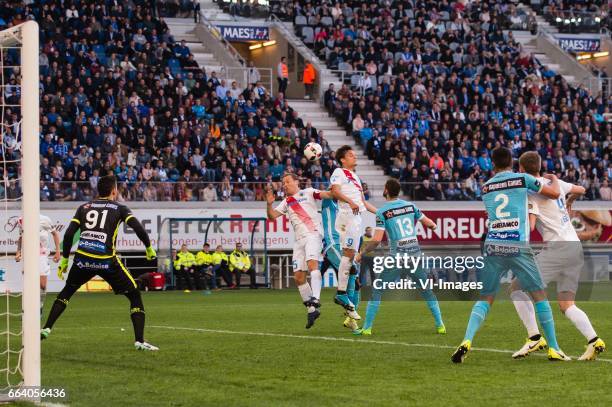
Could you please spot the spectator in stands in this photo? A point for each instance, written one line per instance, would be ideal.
(605, 192)
(448, 86)
(240, 263)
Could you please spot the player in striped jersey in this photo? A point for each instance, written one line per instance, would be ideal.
(301, 208)
(332, 254)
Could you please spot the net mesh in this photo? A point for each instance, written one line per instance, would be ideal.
(11, 346)
(225, 232)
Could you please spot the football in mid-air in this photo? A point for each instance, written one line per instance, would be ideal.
(313, 151)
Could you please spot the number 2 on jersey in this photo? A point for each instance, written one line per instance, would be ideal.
(499, 212)
(405, 226)
(92, 219)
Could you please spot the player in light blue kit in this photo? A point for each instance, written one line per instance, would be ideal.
(507, 248)
(332, 253)
(398, 218)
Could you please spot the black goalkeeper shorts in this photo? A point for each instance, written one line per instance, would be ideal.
(84, 268)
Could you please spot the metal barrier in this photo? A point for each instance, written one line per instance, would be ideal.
(572, 21)
(355, 79)
(220, 47)
(243, 76)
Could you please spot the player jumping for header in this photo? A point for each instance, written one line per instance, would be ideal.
(561, 260)
(301, 208)
(99, 222)
(507, 248)
(347, 190)
(332, 255)
(399, 219)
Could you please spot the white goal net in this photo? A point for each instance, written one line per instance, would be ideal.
(19, 193)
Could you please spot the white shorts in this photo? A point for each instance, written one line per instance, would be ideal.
(44, 266)
(562, 263)
(349, 228)
(308, 248)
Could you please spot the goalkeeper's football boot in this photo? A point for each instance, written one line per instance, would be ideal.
(44, 333)
(593, 348)
(462, 351)
(145, 346)
(556, 355)
(441, 330)
(343, 300)
(531, 345)
(363, 332)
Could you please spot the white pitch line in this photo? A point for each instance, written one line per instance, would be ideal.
(335, 339)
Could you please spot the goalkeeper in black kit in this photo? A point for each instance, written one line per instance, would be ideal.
(99, 222)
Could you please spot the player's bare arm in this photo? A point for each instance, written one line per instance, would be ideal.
(270, 211)
(551, 191)
(371, 208)
(326, 195)
(56, 240)
(428, 223)
(576, 192)
(371, 244)
(338, 195)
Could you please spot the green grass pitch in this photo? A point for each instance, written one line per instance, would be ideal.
(250, 348)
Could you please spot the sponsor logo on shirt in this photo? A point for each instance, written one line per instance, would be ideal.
(404, 210)
(505, 184)
(503, 225)
(91, 245)
(91, 235)
(504, 235)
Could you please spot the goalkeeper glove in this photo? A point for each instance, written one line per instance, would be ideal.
(62, 268)
(151, 253)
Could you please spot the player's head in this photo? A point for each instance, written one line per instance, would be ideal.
(346, 157)
(530, 162)
(291, 183)
(502, 158)
(219, 248)
(183, 247)
(107, 187)
(392, 189)
(206, 247)
(239, 246)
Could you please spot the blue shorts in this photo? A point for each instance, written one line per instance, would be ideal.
(500, 258)
(333, 254)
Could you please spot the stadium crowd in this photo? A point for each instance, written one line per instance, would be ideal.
(435, 86)
(119, 95)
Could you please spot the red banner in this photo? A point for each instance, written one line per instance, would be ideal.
(467, 226)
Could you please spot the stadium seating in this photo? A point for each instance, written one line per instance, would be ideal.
(436, 85)
(119, 95)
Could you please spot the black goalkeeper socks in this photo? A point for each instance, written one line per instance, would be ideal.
(138, 321)
(59, 305)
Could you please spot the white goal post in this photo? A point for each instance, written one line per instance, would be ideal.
(24, 38)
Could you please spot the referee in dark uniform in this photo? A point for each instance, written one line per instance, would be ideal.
(99, 222)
